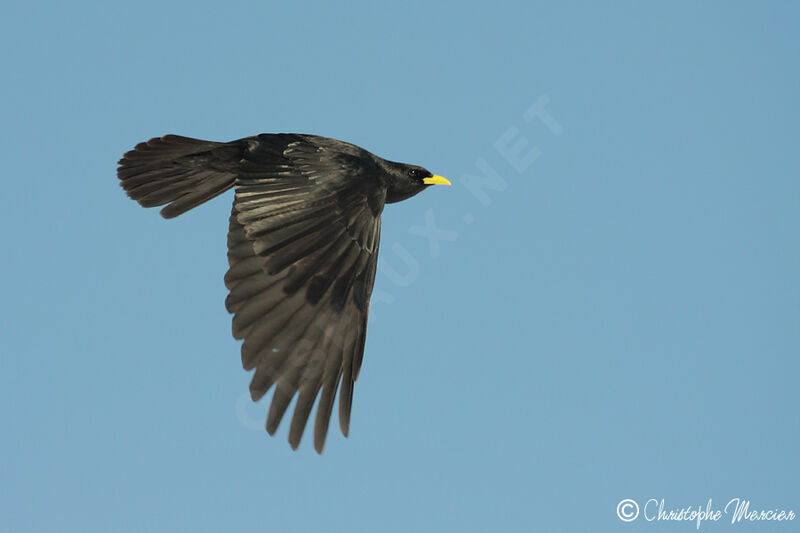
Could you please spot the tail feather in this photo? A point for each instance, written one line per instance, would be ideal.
(178, 171)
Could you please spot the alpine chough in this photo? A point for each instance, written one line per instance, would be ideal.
(302, 249)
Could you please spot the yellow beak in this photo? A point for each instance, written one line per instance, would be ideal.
(436, 180)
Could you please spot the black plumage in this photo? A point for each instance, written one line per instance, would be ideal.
(302, 247)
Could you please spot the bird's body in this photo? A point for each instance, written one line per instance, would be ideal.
(302, 248)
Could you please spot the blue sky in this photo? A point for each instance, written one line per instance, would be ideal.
(615, 314)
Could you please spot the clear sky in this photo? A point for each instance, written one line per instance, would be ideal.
(609, 307)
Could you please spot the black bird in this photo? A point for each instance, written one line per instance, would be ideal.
(302, 249)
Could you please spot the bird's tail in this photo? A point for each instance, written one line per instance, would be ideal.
(174, 170)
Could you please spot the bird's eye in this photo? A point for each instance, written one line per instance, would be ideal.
(415, 173)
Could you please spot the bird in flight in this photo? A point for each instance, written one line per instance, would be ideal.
(302, 252)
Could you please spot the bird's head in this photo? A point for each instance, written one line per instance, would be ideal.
(407, 180)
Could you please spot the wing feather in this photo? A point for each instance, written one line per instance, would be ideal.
(303, 244)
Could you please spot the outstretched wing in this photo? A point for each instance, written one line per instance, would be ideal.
(302, 248)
